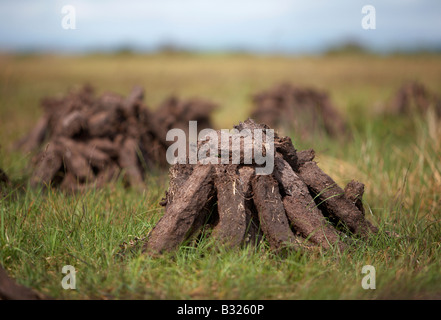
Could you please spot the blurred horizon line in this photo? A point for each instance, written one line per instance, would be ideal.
(284, 27)
(344, 47)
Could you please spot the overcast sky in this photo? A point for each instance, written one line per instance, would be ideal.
(255, 25)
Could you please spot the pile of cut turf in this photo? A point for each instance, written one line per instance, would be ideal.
(83, 140)
(295, 204)
(301, 110)
(413, 97)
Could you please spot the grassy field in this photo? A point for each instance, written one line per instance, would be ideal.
(397, 157)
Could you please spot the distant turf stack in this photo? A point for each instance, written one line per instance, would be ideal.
(84, 140)
(304, 111)
(413, 97)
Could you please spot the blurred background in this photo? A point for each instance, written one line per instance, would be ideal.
(359, 53)
(367, 72)
(259, 26)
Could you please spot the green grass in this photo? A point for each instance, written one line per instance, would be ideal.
(398, 158)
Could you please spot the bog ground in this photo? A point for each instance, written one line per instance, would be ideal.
(397, 157)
